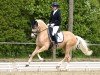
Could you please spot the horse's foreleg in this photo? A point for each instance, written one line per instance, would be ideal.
(42, 49)
(40, 58)
(33, 54)
(37, 51)
(45, 47)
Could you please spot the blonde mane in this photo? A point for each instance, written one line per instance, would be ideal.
(41, 24)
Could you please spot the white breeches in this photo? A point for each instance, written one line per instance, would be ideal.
(55, 29)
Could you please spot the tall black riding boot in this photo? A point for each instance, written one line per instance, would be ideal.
(55, 39)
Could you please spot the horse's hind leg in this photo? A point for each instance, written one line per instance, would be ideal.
(67, 55)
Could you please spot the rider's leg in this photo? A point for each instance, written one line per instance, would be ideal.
(55, 29)
(55, 39)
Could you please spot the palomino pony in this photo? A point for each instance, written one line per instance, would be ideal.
(43, 42)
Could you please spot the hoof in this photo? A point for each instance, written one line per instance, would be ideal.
(57, 67)
(43, 60)
(26, 65)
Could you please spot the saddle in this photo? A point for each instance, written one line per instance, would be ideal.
(58, 36)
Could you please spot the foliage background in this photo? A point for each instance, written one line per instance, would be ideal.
(15, 16)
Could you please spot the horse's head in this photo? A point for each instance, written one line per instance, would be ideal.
(37, 27)
(34, 24)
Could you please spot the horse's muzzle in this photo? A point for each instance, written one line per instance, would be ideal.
(33, 35)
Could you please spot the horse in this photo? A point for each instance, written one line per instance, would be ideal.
(43, 42)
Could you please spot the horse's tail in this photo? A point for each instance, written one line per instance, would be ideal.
(83, 46)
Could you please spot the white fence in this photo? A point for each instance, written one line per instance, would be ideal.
(49, 66)
(17, 43)
(26, 43)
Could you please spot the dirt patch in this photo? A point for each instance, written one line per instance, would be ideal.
(52, 73)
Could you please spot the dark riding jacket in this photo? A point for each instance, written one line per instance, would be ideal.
(56, 18)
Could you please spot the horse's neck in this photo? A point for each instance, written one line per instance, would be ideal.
(42, 36)
(42, 26)
(43, 29)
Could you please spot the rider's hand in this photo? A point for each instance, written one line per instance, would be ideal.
(52, 24)
(48, 24)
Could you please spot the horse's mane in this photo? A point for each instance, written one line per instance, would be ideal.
(41, 22)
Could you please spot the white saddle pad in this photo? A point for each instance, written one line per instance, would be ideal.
(60, 37)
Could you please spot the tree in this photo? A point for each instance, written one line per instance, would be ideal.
(15, 24)
(70, 18)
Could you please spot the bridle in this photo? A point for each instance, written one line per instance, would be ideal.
(38, 31)
(43, 30)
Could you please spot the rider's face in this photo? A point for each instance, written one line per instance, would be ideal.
(54, 8)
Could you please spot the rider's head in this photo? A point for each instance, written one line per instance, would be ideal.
(55, 5)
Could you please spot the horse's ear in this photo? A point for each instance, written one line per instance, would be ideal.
(34, 22)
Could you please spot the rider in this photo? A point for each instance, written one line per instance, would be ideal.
(55, 19)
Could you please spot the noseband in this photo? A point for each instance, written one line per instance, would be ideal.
(38, 31)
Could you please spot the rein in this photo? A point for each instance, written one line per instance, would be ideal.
(40, 31)
(43, 30)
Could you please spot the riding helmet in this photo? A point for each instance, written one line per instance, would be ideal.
(55, 4)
